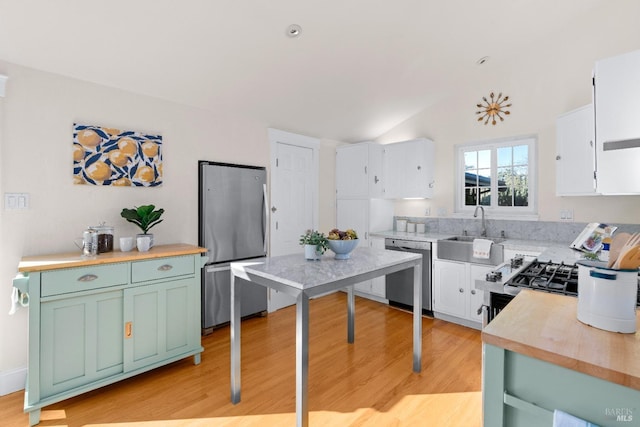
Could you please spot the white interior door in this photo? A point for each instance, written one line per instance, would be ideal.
(294, 197)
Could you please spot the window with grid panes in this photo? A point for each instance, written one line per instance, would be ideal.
(498, 175)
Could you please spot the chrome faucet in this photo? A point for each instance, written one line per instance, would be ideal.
(483, 233)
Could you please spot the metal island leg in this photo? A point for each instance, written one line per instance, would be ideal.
(235, 339)
(350, 315)
(417, 317)
(302, 359)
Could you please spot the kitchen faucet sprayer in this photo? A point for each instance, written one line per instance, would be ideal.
(483, 233)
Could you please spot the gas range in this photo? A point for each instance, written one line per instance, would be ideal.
(508, 279)
(547, 276)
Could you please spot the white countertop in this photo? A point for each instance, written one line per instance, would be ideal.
(550, 251)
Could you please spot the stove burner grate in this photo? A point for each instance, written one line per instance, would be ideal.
(547, 276)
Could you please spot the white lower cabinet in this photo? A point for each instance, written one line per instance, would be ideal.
(449, 283)
(454, 293)
(375, 288)
(365, 215)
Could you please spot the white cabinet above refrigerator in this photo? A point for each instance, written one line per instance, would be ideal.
(617, 118)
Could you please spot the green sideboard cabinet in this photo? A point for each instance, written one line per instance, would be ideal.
(96, 322)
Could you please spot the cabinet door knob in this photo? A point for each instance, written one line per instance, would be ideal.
(558, 157)
(165, 267)
(461, 290)
(87, 278)
(473, 291)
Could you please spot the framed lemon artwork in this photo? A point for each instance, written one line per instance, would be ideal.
(109, 156)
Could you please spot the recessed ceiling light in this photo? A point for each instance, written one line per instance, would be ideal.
(482, 60)
(294, 30)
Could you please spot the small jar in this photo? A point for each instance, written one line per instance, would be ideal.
(105, 237)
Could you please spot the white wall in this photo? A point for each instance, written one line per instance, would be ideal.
(36, 158)
(540, 88)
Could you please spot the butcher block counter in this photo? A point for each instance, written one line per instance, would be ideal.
(538, 358)
(75, 259)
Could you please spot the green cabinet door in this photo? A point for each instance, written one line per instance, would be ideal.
(160, 322)
(80, 341)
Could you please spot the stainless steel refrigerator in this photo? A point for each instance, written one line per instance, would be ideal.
(233, 224)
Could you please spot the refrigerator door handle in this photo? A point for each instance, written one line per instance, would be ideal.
(265, 231)
(214, 269)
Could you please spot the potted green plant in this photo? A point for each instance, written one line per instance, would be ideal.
(145, 217)
(315, 244)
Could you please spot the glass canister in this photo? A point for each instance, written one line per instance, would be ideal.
(105, 237)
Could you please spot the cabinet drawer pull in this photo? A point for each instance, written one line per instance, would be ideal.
(128, 330)
(165, 267)
(87, 278)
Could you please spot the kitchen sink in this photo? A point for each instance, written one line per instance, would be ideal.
(460, 248)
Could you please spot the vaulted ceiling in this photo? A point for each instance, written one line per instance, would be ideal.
(358, 68)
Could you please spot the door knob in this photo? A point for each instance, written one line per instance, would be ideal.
(273, 209)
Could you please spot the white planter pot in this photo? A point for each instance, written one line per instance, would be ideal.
(311, 253)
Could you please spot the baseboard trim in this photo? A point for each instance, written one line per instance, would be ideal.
(12, 381)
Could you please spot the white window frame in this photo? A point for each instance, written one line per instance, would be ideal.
(511, 212)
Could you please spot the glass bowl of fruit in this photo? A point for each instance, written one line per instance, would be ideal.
(342, 243)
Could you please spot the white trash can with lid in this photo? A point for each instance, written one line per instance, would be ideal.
(607, 298)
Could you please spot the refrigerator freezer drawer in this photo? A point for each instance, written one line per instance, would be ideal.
(216, 297)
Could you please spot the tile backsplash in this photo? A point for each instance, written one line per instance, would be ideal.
(548, 231)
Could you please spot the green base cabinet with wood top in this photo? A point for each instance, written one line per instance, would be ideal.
(93, 322)
(538, 358)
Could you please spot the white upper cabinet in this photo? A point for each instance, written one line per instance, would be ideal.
(575, 153)
(359, 171)
(617, 116)
(408, 169)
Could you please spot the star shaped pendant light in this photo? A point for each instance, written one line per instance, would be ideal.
(490, 109)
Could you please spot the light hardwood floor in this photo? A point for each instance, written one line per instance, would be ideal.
(369, 383)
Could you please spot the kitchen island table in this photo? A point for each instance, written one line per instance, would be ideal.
(303, 279)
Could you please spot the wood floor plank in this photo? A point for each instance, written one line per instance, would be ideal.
(368, 383)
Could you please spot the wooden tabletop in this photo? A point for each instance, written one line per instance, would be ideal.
(545, 326)
(75, 259)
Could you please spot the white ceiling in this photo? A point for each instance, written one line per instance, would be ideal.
(359, 67)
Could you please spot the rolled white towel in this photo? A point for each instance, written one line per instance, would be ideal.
(482, 248)
(563, 419)
(14, 301)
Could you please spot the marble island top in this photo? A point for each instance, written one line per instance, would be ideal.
(295, 271)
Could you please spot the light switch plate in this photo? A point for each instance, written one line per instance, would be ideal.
(15, 201)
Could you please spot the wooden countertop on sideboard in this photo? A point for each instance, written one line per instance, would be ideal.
(75, 259)
(545, 326)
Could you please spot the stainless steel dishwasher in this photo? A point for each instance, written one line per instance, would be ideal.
(399, 285)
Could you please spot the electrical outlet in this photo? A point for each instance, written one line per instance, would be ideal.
(566, 214)
(427, 212)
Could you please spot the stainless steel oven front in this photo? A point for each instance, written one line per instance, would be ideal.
(399, 285)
